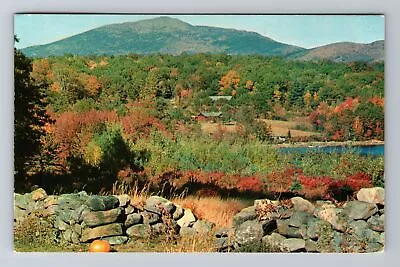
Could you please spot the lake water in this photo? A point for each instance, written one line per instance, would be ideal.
(372, 150)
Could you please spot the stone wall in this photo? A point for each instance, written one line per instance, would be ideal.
(297, 225)
(83, 218)
(294, 225)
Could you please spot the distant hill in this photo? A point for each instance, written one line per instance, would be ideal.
(344, 52)
(163, 35)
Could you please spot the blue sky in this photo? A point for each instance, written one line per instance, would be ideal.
(302, 30)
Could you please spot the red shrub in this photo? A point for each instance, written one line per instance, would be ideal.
(251, 183)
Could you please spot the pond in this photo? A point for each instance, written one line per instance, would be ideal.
(366, 150)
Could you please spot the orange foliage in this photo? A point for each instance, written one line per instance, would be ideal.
(91, 84)
(377, 101)
(230, 80)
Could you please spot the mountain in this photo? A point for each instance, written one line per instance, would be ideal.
(344, 52)
(163, 35)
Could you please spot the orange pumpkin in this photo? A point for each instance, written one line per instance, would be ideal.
(99, 246)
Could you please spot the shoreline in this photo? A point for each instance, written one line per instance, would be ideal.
(331, 144)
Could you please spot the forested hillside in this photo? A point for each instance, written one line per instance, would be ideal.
(119, 121)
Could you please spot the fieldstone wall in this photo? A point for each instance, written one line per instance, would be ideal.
(83, 218)
(297, 225)
(294, 225)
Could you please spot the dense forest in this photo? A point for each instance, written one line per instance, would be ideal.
(114, 122)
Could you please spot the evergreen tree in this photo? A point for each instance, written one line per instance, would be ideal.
(29, 115)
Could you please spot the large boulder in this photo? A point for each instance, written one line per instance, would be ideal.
(249, 232)
(375, 195)
(377, 223)
(139, 231)
(274, 241)
(89, 234)
(300, 204)
(123, 200)
(101, 203)
(96, 218)
(188, 219)
(203, 227)
(132, 219)
(286, 230)
(293, 244)
(150, 217)
(159, 205)
(245, 214)
(334, 216)
(299, 218)
(116, 240)
(186, 231)
(359, 210)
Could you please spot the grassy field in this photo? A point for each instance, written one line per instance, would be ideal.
(298, 127)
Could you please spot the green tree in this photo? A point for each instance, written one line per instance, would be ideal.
(29, 116)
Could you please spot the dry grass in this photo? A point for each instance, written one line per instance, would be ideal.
(281, 128)
(299, 127)
(214, 127)
(195, 243)
(212, 209)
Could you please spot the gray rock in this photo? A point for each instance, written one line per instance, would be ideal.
(274, 241)
(334, 216)
(150, 217)
(77, 228)
(67, 235)
(314, 227)
(159, 228)
(293, 244)
(246, 214)
(102, 203)
(77, 214)
(96, 218)
(359, 210)
(89, 234)
(139, 231)
(361, 230)
(299, 218)
(286, 230)
(375, 195)
(203, 227)
(178, 213)
(187, 219)
(132, 219)
(249, 232)
(129, 209)
(158, 205)
(71, 201)
(116, 240)
(373, 247)
(22, 201)
(377, 223)
(19, 214)
(186, 231)
(60, 224)
(311, 246)
(75, 238)
(337, 241)
(123, 200)
(300, 204)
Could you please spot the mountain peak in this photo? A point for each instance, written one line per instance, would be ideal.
(159, 24)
